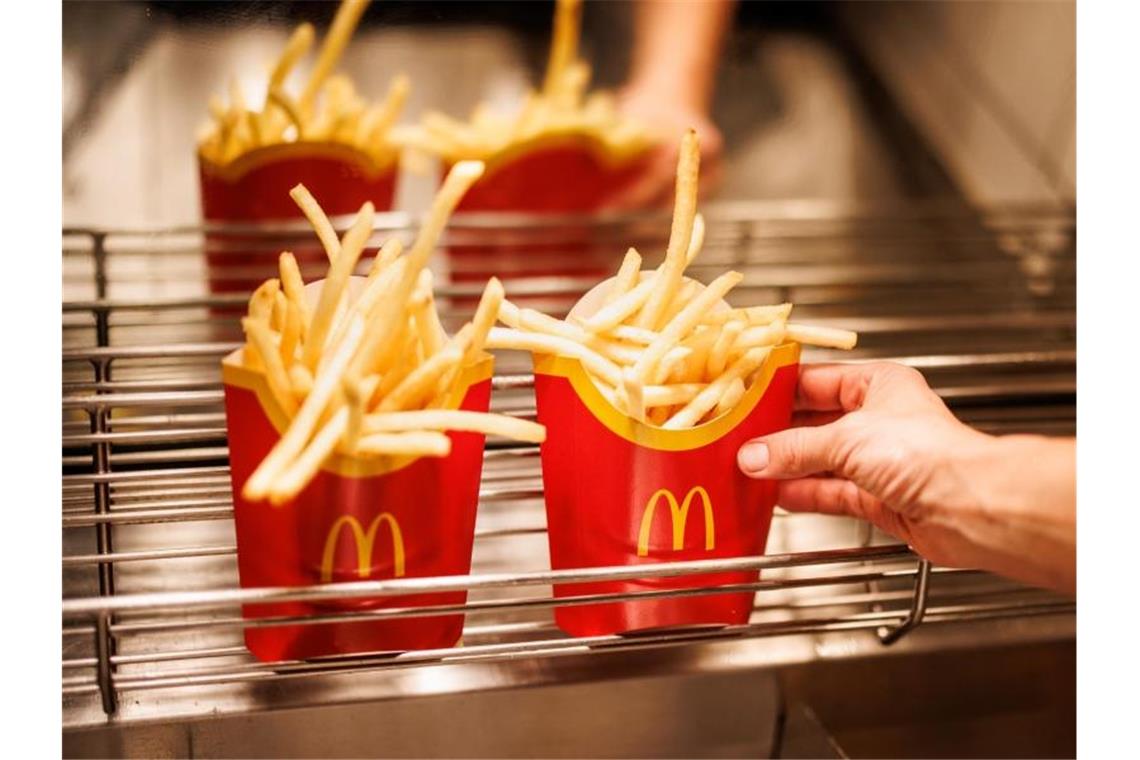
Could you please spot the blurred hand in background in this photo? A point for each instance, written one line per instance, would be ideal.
(676, 50)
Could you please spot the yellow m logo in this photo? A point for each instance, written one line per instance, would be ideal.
(679, 514)
(365, 540)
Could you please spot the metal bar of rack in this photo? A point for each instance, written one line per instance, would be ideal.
(980, 302)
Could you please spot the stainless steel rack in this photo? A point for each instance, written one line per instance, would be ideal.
(983, 303)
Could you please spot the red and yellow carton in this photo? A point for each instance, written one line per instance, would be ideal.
(571, 173)
(622, 492)
(557, 174)
(254, 188)
(359, 519)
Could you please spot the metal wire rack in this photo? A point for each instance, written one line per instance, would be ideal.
(983, 303)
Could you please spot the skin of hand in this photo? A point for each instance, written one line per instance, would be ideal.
(873, 441)
(676, 51)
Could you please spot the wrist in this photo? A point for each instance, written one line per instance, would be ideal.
(1022, 507)
(673, 87)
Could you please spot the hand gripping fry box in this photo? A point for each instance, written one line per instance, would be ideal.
(255, 187)
(360, 519)
(621, 492)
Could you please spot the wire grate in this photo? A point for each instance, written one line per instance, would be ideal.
(982, 303)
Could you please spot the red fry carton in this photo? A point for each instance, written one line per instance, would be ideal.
(359, 519)
(552, 174)
(255, 188)
(621, 492)
(557, 173)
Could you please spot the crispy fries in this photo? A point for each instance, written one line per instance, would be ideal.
(662, 348)
(327, 109)
(359, 373)
(560, 107)
(684, 210)
(457, 420)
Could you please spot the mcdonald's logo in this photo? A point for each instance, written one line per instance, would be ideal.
(365, 542)
(679, 515)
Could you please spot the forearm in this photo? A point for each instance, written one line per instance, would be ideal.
(1023, 497)
(677, 45)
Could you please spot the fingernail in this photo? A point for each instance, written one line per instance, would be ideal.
(753, 457)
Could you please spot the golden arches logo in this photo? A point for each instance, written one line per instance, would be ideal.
(679, 515)
(365, 541)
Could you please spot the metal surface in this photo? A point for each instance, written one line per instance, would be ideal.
(151, 625)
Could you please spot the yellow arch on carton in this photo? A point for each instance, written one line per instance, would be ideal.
(679, 515)
(236, 373)
(267, 154)
(654, 437)
(365, 543)
(606, 154)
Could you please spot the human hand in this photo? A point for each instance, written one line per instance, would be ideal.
(874, 441)
(669, 117)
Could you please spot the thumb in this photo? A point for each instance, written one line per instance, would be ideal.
(791, 453)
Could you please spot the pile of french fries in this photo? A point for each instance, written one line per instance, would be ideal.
(368, 369)
(562, 106)
(662, 348)
(328, 109)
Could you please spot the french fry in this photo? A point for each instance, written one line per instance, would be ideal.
(456, 420)
(290, 333)
(732, 395)
(389, 110)
(262, 301)
(696, 240)
(564, 47)
(613, 314)
(686, 320)
(633, 334)
(293, 478)
(292, 111)
(684, 294)
(426, 318)
(261, 338)
(684, 211)
(317, 218)
(500, 337)
(295, 49)
(417, 443)
(752, 315)
(343, 25)
(422, 380)
(754, 337)
(333, 287)
(277, 320)
(827, 337)
(671, 395)
(632, 393)
(718, 354)
(387, 254)
(485, 315)
(707, 399)
(354, 400)
(301, 381)
(627, 276)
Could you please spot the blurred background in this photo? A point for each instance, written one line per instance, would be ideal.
(835, 101)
